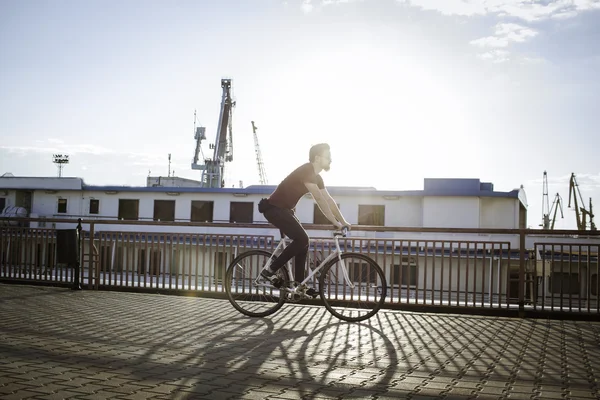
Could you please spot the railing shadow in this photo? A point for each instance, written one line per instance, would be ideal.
(234, 354)
(201, 349)
(252, 354)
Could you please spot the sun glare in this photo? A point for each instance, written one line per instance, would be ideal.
(375, 106)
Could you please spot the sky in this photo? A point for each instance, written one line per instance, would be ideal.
(497, 90)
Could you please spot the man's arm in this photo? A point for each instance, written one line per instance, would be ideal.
(322, 202)
(334, 208)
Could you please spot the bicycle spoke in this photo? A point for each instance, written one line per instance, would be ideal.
(247, 291)
(354, 288)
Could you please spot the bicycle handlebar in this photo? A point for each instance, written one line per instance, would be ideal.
(341, 232)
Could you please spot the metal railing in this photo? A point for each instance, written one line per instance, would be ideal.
(500, 271)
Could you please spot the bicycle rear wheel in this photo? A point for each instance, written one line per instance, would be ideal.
(358, 303)
(245, 294)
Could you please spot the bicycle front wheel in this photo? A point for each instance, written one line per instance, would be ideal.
(247, 292)
(354, 288)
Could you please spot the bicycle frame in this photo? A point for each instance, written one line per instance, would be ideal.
(312, 272)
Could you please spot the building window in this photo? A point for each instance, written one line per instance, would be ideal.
(164, 210)
(220, 265)
(369, 214)
(202, 211)
(105, 259)
(318, 216)
(129, 209)
(94, 206)
(141, 262)
(155, 262)
(594, 285)
(62, 206)
(407, 276)
(568, 283)
(361, 273)
(241, 211)
(2, 203)
(120, 260)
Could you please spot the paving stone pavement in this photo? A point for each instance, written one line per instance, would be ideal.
(56, 343)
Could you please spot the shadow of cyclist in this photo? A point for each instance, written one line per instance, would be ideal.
(240, 355)
(351, 360)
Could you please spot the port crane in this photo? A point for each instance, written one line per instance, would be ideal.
(548, 223)
(581, 213)
(261, 168)
(213, 169)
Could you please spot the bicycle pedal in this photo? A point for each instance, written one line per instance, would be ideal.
(277, 282)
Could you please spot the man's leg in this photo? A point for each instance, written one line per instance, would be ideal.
(287, 222)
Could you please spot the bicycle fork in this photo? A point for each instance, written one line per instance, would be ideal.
(344, 269)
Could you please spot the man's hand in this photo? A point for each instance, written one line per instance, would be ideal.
(346, 224)
(338, 225)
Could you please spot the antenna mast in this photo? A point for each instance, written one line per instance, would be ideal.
(60, 160)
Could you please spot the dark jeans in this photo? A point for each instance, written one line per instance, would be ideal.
(288, 224)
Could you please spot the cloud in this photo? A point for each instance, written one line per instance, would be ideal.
(526, 10)
(495, 56)
(504, 35)
(56, 146)
(309, 5)
(584, 180)
(55, 140)
(590, 180)
(53, 146)
(553, 180)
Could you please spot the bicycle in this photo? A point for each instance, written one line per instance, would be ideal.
(242, 279)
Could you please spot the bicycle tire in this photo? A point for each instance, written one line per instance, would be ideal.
(230, 294)
(329, 306)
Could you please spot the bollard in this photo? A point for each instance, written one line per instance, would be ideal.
(68, 243)
(77, 278)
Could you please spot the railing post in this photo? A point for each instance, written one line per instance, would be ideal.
(92, 277)
(521, 273)
(77, 278)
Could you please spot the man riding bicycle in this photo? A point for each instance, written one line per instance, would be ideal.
(279, 210)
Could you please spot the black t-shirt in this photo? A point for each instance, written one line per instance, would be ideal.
(292, 188)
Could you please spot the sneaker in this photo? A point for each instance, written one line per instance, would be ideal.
(310, 292)
(267, 274)
(271, 277)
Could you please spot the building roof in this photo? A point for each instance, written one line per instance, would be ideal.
(460, 187)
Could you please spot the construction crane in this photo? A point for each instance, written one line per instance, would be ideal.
(548, 223)
(213, 169)
(261, 168)
(581, 213)
(556, 204)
